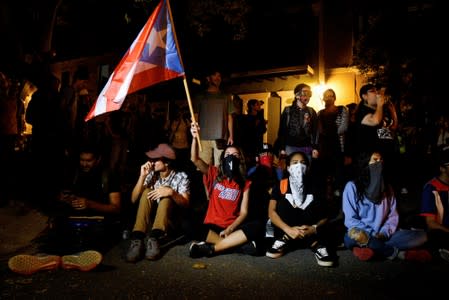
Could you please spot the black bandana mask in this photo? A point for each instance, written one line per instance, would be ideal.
(231, 165)
(374, 191)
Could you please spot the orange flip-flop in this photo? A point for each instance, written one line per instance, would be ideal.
(83, 261)
(28, 264)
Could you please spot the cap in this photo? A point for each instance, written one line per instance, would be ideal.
(162, 150)
(266, 148)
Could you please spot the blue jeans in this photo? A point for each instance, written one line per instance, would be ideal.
(402, 239)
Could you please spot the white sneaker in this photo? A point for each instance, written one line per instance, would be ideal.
(323, 258)
(277, 250)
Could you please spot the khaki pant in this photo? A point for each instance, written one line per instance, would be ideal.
(146, 210)
(210, 153)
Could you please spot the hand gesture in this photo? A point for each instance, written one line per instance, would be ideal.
(194, 129)
(160, 192)
(79, 203)
(146, 168)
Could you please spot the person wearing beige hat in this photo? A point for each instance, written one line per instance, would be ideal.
(160, 191)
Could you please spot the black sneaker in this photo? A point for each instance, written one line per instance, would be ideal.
(248, 248)
(135, 250)
(278, 248)
(152, 249)
(323, 258)
(201, 249)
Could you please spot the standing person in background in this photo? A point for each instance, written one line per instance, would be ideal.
(376, 121)
(214, 113)
(442, 134)
(237, 120)
(9, 131)
(298, 128)
(70, 97)
(252, 131)
(369, 117)
(332, 125)
(350, 142)
(48, 137)
(179, 137)
(372, 219)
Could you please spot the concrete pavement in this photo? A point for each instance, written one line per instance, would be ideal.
(19, 225)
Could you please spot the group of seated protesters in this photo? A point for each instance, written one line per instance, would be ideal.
(264, 211)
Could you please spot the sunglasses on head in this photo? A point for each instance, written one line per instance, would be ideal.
(305, 93)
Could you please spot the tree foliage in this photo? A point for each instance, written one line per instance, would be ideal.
(206, 15)
(401, 39)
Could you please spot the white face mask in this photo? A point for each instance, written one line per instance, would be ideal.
(297, 171)
(297, 198)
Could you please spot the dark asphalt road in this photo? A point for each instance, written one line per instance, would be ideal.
(232, 276)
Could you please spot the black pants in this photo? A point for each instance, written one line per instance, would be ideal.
(68, 236)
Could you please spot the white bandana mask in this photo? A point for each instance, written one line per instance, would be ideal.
(297, 197)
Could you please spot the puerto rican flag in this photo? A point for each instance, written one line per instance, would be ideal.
(152, 58)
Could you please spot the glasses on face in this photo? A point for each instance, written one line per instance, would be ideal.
(304, 93)
(153, 160)
(372, 91)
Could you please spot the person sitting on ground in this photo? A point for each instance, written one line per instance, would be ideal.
(264, 175)
(90, 199)
(297, 210)
(435, 208)
(371, 216)
(224, 227)
(85, 220)
(160, 191)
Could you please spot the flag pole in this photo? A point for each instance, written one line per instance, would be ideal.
(189, 101)
(186, 87)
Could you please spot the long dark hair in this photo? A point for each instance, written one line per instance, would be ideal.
(289, 158)
(241, 177)
(362, 175)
